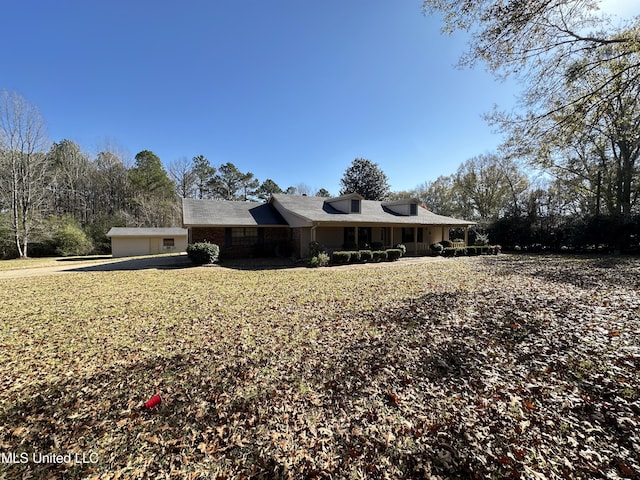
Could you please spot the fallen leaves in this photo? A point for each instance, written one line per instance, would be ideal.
(504, 367)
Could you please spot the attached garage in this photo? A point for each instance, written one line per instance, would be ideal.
(129, 242)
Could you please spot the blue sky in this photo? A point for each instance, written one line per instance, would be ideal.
(288, 89)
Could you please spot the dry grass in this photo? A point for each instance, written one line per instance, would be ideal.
(349, 373)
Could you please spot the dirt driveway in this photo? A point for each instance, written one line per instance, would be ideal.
(164, 262)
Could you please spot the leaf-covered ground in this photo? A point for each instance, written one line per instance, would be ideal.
(482, 367)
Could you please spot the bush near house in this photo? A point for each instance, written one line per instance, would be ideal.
(471, 250)
(319, 255)
(453, 251)
(316, 248)
(379, 255)
(393, 254)
(344, 257)
(319, 260)
(436, 248)
(366, 255)
(203, 253)
(482, 240)
(340, 257)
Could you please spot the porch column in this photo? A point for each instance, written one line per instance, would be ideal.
(357, 243)
(466, 235)
(391, 237)
(415, 241)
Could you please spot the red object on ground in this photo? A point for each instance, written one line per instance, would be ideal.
(153, 401)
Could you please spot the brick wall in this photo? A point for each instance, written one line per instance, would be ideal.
(274, 242)
(208, 234)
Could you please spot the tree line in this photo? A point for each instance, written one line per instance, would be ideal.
(576, 124)
(56, 199)
(566, 175)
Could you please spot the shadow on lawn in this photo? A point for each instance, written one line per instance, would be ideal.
(84, 259)
(217, 411)
(255, 264)
(104, 415)
(172, 262)
(584, 271)
(248, 412)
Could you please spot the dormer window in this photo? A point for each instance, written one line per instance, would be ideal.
(403, 207)
(349, 203)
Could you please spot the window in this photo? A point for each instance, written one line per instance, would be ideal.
(407, 235)
(349, 237)
(413, 209)
(244, 236)
(364, 236)
(168, 242)
(355, 206)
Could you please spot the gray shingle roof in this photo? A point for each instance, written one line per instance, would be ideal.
(146, 232)
(315, 209)
(228, 213)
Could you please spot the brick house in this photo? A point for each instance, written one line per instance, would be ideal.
(286, 224)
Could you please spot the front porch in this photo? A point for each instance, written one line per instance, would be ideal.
(417, 238)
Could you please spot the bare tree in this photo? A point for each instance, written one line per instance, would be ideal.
(575, 65)
(182, 174)
(533, 39)
(487, 187)
(23, 165)
(437, 196)
(111, 184)
(71, 183)
(303, 189)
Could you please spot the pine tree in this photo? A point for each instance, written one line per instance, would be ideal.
(365, 178)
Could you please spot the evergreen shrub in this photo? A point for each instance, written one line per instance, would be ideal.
(379, 255)
(340, 257)
(203, 253)
(366, 255)
(436, 248)
(393, 254)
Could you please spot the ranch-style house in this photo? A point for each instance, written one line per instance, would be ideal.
(286, 224)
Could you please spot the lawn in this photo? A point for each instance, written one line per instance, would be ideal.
(480, 367)
(29, 263)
